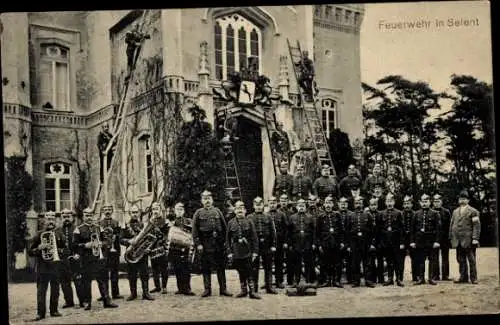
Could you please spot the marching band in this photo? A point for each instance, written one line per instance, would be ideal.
(327, 234)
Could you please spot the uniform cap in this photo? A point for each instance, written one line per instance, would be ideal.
(329, 198)
(272, 198)
(179, 205)
(437, 197)
(389, 197)
(312, 197)
(373, 201)
(284, 164)
(358, 198)
(206, 193)
(284, 197)
(342, 200)
(239, 204)
(50, 214)
(301, 201)
(88, 211)
(463, 194)
(66, 211)
(407, 198)
(257, 200)
(134, 208)
(325, 166)
(424, 197)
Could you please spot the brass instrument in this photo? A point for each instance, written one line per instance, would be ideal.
(97, 245)
(159, 251)
(111, 237)
(143, 242)
(50, 253)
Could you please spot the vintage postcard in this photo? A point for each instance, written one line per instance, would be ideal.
(161, 163)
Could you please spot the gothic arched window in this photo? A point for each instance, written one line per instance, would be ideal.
(236, 38)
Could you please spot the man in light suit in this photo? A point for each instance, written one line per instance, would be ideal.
(465, 228)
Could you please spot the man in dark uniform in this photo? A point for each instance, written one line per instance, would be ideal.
(287, 210)
(445, 217)
(302, 241)
(266, 233)
(350, 182)
(313, 210)
(360, 230)
(103, 140)
(377, 256)
(408, 219)
(390, 231)
(325, 185)
(351, 197)
(127, 238)
(111, 248)
(465, 229)
(301, 185)
(307, 73)
(374, 179)
(242, 248)
(180, 261)
(133, 40)
(345, 253)
(87, 241)
(331, 235)
(209, 235)
(159, 260)
(426, 230)
(378, 194)
(284, 181)
(281, 224)
(70, 268)
(280, 143)
(47, 266)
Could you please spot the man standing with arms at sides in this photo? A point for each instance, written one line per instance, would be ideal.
(345, 253)
(266, 233)
(330, 243)
(286, 209)
(47, 266)
(376, 179)
(390, 230)
(445, 217)
(70, 266)
(284, 181)
(313, 210)
(350, 182)
(377, 256)
(325, 185)
(243, 247)
(209, 235)
(128, 237)
(88, 243)
(180, 260)
(408, 219)
(426, 229)
(111, 249)
(465, 228)
(280, 223)
(159, 262)
(362, 242)
(302, 241)
(302, 185)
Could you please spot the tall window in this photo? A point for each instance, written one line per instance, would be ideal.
(338, 14)
(146, 164)
(328, 114)
(317, 11)
(328, 12)
(58, 188)
(348, 15)
(54, 77)
(356, 18)
(236, 39)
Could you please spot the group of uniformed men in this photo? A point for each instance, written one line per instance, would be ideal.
(327, 232)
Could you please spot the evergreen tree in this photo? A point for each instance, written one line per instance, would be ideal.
(199, 163)
(341, 151)
(18, 198)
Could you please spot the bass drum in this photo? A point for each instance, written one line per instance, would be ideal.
(180, 244)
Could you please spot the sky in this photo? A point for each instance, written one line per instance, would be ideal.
(425, 51)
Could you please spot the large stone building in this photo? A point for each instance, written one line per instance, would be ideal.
(63, 73)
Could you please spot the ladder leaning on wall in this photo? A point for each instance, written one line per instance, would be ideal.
(117, 129)
(315, 128)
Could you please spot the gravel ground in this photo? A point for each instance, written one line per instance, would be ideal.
(445, 298)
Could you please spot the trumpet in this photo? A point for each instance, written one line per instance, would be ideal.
(111, 237)
(96, 245)
(50, 253)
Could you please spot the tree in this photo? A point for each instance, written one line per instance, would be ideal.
(199, 163)
(18, 199)
(341, 151)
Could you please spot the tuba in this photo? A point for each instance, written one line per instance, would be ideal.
(50, 253)
(97, 245)
(143, 241)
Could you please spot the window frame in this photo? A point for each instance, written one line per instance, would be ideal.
(249, 26)
(325, 110)
(146, 184)
(57, 177)
(53, 61)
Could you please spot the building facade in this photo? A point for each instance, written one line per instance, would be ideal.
(63, 75)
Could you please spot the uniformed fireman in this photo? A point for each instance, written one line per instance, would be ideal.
(377, 257)
(266, 233)
(70, 267)
(391, 242)
(180, 260)
(331, 236)
(301, 184)
(139, 269)
(158, 255)
(209, 235)
(313, 209)
(426, 229)
(345, 253)
(281, 224)
(350, 182)
(408, 218)
(375, 179)
(47, 267)
(326, 184)
(284, 181)
(302, 241)
(111, 248)
(243, 248)
(287, 210)
(362, 243)
(445, 216)
(87, 241)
